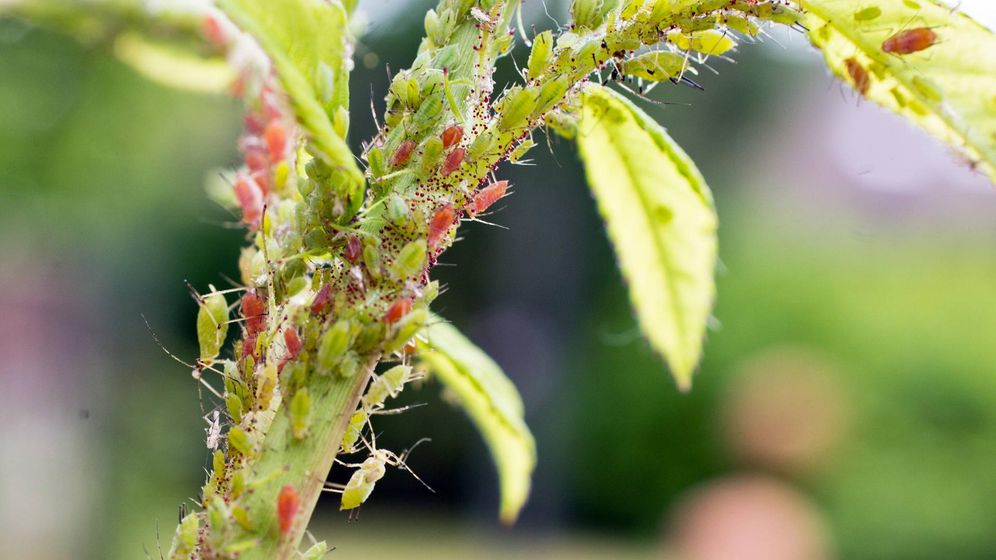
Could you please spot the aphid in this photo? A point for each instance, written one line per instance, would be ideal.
(212, 325)
(293, 342)
(300, 413)
(481, 145)
(316, 552)
(333, 344)
(410, 261)
(353, 249)
(238, 440)
(361, 484)
(859, 76)
(654, 66)
(431, 107)
(452, 161)
(275, 136)
(255, 158)
(353, 431)
(185, 539)
(432, 152)
(539, 56)
(288, 504)
(403, 153)
(515, 107)
(371, 258)
(254, 311)
(550, 94)
(440, 224)
(521, 150)
(452, 136)
(398, 309)
(322, 299)
(250, 198)
(868, 13)
(386, 385)
(488, 196)
(375, 160)
(910, 41)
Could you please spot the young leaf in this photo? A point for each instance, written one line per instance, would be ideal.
(171, 66)
(924, 60)
(661, 220)
(491, 401)
(306, 41)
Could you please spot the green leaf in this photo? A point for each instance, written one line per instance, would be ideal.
(947, 88)
(661, 220)
(306, 41)
(491, 401)
(171, 66)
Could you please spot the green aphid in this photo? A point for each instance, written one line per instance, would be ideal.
(349, 365)
(386, 385)
(353, 431)
(212, 325)
(219, 522)
(591, 13)
(241, 517)
(786, 15)
(740, 24)
(519, 151)
(410, 261)
(185, 538)
(406, 328)
(432, 154)
(868, 14)
(340, 121)
(371, 258)
(239, 440)
(300, 413)
(712, 42)
(218, 464)
(234, 406)
(515, 107)
(481, 145)
(237, 484)
(370, 336)
(333, 344)
(396, 209)
(316, 552)
(428, 113)
(630, 8)
(431, 23)
(550, 95)
(654, 66)
(376, 162)
(540, 55)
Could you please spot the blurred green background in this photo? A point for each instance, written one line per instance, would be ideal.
(845, 408)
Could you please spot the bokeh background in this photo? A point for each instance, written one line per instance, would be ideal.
(845, 408)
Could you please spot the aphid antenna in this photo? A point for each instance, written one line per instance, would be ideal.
(399, 461)
(400, 409)
(521, 27)
(553, 19)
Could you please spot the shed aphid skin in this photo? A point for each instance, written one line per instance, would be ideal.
(910, 41)
(361, 483)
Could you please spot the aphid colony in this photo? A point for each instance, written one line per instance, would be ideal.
(336, 279)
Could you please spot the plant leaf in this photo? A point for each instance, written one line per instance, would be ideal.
(306, 41)
(491, 401)
(661, 220)
(171, 66)
(947, 88)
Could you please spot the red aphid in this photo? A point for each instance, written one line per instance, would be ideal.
(275, 136)
(213, 31)
(910, 41)
(249, 344)
(452, 135)
(488, 196)
(398, 310)
(256, 159)
(452, 161)
(254, 311)
(293, 342)
(250, 197)
(354, 248)
(440, 224)
(858, 75)
(322, 299)
(403, 153)
(254, 123)
(288, 504)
